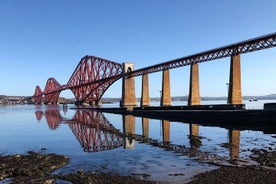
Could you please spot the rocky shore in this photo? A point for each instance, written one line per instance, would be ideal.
(37, 168)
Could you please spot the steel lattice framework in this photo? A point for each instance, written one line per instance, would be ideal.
(94, 132)
(92, 77)
(251, 45)
(52, 91)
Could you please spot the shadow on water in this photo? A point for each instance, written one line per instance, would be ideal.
(95, 133)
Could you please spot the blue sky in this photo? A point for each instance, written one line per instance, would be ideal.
(41, 39)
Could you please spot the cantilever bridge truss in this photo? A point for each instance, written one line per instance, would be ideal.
(91, 78)
(94, 75)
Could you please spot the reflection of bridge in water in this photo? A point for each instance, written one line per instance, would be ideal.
(95, 133)
(92, 129)
(194, 138)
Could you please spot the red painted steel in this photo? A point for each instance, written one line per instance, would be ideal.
(92, 77)
(52, 91)
(38, 95)
(94, 132)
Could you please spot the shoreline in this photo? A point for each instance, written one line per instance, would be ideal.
(37, 168)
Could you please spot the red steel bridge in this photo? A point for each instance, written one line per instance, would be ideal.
(94, 75)
(89, 81)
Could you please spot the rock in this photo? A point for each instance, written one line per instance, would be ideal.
(230, 175)
(264, 157)
(32, 165)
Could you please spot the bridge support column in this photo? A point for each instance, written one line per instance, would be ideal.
(145, 100)
(128, 88)
(166, 94)
(234, 88)
(93, 103)
(98, 103)
(194, 98)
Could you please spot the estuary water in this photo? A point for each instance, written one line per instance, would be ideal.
(145, 148)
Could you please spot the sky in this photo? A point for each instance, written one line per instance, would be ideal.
(40, 39)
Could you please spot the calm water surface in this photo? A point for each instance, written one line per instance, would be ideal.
(126, 145)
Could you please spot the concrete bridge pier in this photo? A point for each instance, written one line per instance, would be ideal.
(165, 93)
(93, 103)
(194, 97)
(128, 88)
(145, 100)
(98, 103)
(234, 88)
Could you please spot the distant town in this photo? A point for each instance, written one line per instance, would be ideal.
(14, 99)
(4, 99)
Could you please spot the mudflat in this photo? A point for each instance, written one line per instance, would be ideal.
(37, 168)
